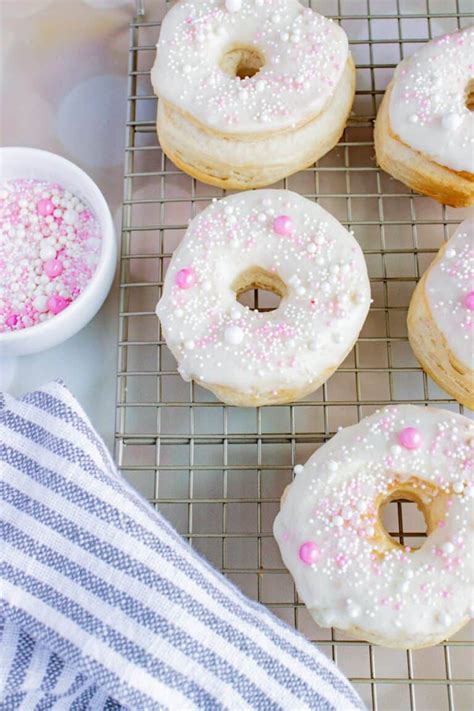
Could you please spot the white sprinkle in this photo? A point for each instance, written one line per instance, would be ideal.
(458, 487)
(447, 548)
(234, 335)
(338, 521)
(445, 619)
(189, 345)
(40, 303)
(451, 121)
(235, 315)
(413, 118)
(450, 252)
(298, 468)
(233, 5)
(333, 466)
(311, 248)
(70, 217)
(354, 611)
(395, 450)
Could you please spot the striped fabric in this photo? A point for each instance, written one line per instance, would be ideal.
(104, 606)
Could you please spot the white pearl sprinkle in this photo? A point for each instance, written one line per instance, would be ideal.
(298, 469)
(451, 121)
(234, 335)
(233, 5)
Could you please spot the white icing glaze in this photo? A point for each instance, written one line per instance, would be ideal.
(328, 296)
(408, 594)
(305, 55)
(448, 284)
(428, 102)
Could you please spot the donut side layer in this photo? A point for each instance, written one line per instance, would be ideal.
(242, 164)
(282, 397)
(415, 169)
(432, 351)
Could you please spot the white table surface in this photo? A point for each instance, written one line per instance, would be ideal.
(79, 107)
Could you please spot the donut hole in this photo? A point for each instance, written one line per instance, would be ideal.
(403, 520)
(242, 62)
(470, 95)
(259, 289)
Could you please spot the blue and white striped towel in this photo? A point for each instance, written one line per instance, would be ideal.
(104, 606)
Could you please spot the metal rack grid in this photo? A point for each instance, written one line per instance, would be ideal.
(218, 472)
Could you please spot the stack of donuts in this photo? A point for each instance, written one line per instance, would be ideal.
(251, 91)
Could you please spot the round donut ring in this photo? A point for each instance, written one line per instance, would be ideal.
(281, 242)
(424, 133)
(250, 92)
(348, 570)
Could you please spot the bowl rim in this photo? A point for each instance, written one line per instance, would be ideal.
(108, 252)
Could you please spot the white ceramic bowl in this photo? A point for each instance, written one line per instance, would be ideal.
(41, 165)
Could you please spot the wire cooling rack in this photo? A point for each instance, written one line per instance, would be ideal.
(218, 472)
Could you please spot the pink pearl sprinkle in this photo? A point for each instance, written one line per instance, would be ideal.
(11, 320)
(53, 268)
(185, 278)
(469, 301)
(283, 225)
(45, 207)
(56, 304)
(309, 552)
(410, 438)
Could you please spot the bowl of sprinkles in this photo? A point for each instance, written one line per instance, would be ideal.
(57, 250)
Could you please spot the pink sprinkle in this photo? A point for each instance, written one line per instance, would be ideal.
(341, 560)
(45, 207)
(53, 268)
(12, 320)
(441, 524)
(410, 438)
(309, 553)
(469, 301)
(186, 278)
(283, 225)
(56, 304)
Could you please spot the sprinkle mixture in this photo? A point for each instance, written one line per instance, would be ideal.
(450, 293)
(218, 340)
(303, 55)
(327, 527)
(49, 249)
(428, 107)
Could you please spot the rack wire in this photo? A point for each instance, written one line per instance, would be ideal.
(218, 472)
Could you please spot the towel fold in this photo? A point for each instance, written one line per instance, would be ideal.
(104, 606)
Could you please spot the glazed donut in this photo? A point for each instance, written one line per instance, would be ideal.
(441, 317)
(278, 241)
(347, 569)
(424, 133)
(250, 91)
